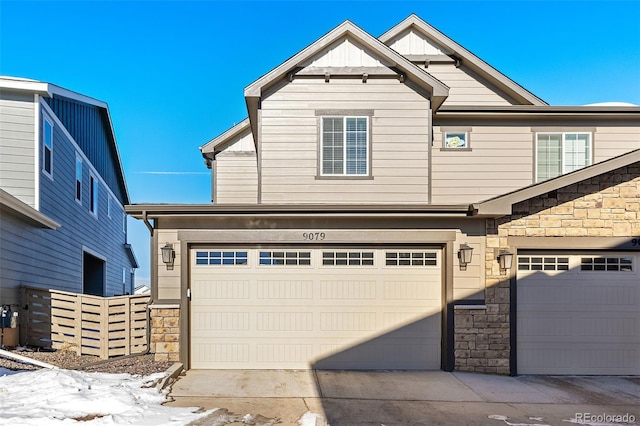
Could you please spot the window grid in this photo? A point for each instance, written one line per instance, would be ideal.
(344, 146)
(411, 259)
(608, 264)
(543, 263)
(560, 153)
(286, 258)
(344, 258)
(221, 257)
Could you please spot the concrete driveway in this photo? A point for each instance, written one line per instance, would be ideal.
(319, 398)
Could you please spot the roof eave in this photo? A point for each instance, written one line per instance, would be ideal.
(31, 215)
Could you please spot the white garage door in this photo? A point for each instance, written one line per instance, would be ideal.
(578, 314)
(334, 308)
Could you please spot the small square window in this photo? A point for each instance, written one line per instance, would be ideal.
(456, 140)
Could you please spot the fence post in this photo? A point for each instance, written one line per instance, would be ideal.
(104, 329)
(77, 326)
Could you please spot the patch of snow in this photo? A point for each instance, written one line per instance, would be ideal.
(611, 104)
(506, 420)
(312, 419)
(50, 397)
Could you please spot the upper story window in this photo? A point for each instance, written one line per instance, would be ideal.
(109, 206)
(560, 153)
(78, 179)
(93, 201)
(456, 140)
(344, 146)
(47, 147)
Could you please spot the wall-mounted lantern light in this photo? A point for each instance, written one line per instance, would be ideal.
(464, 256)
(168, 255)
(505, 260)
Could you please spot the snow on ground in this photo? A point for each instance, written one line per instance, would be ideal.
(52, 397)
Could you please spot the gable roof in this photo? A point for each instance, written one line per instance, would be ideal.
(439, 91)
(25, 212)
(49, 91)
(502, 205)
(467, 58)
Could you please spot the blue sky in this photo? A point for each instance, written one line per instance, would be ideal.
(173, 73)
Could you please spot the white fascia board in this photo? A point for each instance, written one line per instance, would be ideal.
(34, 86)
(214, 144)
(465, 55)
(348, 29)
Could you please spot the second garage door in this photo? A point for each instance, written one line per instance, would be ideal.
(578, 313)
(332, 308)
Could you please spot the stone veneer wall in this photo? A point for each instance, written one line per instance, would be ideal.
(603, 206)
(165, 333)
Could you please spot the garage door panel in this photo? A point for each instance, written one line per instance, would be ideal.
(579, 321)
(302, 316)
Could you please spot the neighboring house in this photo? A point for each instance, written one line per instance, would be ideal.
(62, 194)
(346, 204)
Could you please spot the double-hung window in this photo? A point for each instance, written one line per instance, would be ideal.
(560, 153)
(47, 147)
(344, 146)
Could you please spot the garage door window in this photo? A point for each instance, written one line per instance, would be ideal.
(221, 258)
(396, 258)
(287, 258)
(543, 263)
(615, 264)
(350, 258)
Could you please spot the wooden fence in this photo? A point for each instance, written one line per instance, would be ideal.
(88, 325)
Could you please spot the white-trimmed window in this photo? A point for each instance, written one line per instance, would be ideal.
(221, 257)
(347, 258)
(109, 206)
(405, 258)
(124, 222)
(288, 258)
(344, 146)
(543, 263)
(561, 152)
(608, 264)
(47, 147)
(93, 199)
(78, 178)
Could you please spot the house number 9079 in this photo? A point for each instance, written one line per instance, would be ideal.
(313, 236)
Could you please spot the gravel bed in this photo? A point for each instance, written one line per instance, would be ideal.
(142, 365)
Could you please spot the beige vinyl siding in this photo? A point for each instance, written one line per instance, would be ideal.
(500, 161)
(414, 43)
(168, 280)
(17, 156)
(464, 88)
(613, 141)
(398, 142)
(236, 178)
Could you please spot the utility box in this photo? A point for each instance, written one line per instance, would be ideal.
(10, 337)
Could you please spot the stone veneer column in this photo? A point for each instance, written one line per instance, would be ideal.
(165, 332)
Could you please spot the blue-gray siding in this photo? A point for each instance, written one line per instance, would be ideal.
(90, 128)
(17, 156)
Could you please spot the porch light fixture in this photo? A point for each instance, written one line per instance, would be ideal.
(168, 255)
(505, 260)
(464, 256)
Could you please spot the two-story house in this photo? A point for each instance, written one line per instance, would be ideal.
(397, 203)
(62, 194)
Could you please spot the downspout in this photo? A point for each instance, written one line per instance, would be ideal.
(145, 219)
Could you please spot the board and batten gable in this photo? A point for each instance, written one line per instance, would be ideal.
(17, 145)
(235, 172)
(465, 87)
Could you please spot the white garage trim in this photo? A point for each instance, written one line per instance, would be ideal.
(578, 313)
(315, 307)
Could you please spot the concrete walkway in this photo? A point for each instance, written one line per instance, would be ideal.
(265, 397)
